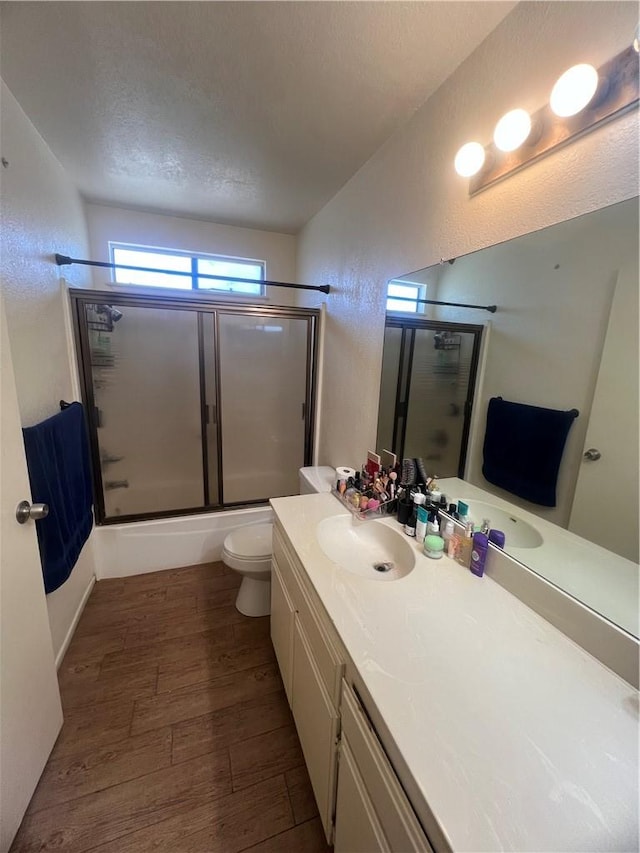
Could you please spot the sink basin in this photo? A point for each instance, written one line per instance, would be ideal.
(366, 548)
(518, 533)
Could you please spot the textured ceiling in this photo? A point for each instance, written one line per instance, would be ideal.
(248, 113)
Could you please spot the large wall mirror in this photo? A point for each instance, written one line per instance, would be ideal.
(564, 336)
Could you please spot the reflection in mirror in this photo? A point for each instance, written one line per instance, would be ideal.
(565, 336)
(426, 390)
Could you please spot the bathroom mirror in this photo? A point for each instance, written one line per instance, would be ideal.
(564, 336)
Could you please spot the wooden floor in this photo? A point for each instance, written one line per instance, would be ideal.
(177, 734)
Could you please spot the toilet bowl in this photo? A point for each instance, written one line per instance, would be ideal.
(247, 550)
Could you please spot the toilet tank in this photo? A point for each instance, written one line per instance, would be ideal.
(316, 478)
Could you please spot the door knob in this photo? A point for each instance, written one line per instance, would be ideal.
(592, 454)
(25, 511)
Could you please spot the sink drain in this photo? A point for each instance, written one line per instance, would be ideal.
(383, 567)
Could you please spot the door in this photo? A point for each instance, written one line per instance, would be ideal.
(263, 396)
(144, 403)
(30, 707)
(358, 829)
(282, 620)
(605, 505)
(318, 725)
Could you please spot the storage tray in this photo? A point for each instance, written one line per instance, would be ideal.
(385, 508)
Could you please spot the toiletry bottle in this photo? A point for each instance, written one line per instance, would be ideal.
(497, 537)
(463, 512)
(421, 517)
(479, 553)
(453, 545)
(410, 526)
(464, 552)
(447, 532)
(433, 528)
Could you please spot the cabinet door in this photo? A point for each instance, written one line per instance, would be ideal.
(358, 829)
(282, 619)
(394, 811)
(317, 723)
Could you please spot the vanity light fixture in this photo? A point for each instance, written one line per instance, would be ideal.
(582, 99)
(469, 159)
(512, 130)
(574, 90)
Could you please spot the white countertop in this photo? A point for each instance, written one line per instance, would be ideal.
(516, 738)
(602, 580)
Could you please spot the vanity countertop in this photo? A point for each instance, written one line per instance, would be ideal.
(604, 581)
(515, 737)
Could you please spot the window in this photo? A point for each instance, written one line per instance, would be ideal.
(404, 290)
(187, 271)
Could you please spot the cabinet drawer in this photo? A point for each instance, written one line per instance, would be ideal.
(327, 658)
(400, 825)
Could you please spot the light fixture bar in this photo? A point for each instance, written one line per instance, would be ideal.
(618, 92)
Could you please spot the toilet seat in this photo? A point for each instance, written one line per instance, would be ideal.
(250, 543)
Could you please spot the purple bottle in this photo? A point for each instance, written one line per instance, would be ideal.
(497, 537)
(479, 550)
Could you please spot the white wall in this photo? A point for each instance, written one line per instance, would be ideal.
(406, 208)
(41, 214)
(120, 225)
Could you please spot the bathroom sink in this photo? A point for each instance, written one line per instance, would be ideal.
(518, 533)
(369, 549)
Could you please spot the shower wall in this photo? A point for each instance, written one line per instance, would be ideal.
(193, 405)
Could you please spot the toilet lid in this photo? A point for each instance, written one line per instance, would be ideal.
(252, 541)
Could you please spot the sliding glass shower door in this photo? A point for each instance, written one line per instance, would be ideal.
(426, 391)
(146, 407)
(191, 405)
(263, 392)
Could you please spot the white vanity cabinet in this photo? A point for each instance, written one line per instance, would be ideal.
(362, 805)
(312, 667)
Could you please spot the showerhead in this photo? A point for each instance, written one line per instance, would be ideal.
(116, 315)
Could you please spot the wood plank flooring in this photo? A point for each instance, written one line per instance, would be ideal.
(177, 734)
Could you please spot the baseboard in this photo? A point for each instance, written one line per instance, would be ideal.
(74, 622)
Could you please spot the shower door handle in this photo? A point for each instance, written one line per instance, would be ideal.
(211, 417)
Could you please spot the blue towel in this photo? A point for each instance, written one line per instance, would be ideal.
(523, 448)
(59, 466)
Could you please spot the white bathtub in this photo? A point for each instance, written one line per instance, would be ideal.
(149, 546)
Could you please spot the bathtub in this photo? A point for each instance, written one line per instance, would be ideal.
(139, 547)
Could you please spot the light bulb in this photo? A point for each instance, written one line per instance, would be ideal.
(512, 130)
(469, 159)
(574, 90)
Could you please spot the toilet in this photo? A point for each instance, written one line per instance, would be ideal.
(247, 549)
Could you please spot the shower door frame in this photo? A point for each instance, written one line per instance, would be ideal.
(409, 326)
(199, 304)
